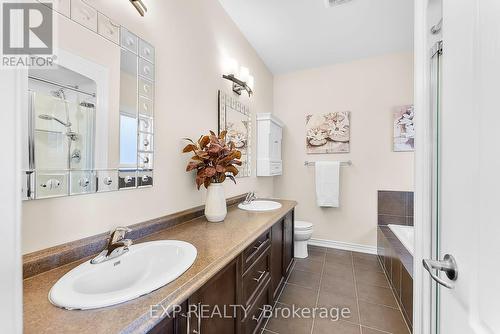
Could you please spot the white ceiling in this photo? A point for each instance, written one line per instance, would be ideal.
(291, 35)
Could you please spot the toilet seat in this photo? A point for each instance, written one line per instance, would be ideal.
(303, 226)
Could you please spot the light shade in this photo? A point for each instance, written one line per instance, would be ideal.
(231, 66)
(251, 82)
(244, 74)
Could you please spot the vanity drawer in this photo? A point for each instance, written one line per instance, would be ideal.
(146, 51)
(256, 316)
(146, 88)
(145, 107)
(256, 276)
(108, 29)
(259, 246)
(84, 14)
(128, 40)
(146, 69)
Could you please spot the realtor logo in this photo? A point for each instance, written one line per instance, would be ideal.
(27, 28)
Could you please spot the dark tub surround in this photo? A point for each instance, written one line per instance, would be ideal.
(243, 260)
(395, 207)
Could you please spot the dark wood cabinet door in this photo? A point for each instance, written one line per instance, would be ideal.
(175, 323)
(277, 249)
(213, 303)
(166, 326)
(288, 243)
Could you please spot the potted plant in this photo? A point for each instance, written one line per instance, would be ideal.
(214, 161)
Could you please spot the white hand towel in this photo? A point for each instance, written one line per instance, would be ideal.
(327, 183)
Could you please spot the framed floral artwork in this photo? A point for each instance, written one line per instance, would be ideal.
(235, 118)
(328, 133)
(404, 129)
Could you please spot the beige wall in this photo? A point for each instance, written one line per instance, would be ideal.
(370, 89)
(192, 38)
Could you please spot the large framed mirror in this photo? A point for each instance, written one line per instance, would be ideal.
(235, 118)
(90, 119)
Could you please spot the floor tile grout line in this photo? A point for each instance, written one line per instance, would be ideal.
(278, 297)
(319, 289)
(378, 304)
(356, 292)
(375, 329)
(395, 297)
(302, 286)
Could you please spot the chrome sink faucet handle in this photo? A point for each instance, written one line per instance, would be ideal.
(250, 197)
(117, 245)
(118, 234)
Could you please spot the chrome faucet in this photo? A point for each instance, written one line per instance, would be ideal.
(249, 198)
(117, 246)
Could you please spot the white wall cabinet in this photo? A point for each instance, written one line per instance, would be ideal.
(269, 140)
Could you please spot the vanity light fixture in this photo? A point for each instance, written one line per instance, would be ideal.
(140, 6)
(241, 78)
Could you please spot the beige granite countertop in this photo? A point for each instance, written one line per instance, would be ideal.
(217, 244)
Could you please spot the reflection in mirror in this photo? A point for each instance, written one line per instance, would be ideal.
(128, 110)
(89, 124)
(235, 118)
(62, 113)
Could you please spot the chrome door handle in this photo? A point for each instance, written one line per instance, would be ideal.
(448, 265)
(198, 331)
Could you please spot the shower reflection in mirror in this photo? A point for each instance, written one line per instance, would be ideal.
(62, 129)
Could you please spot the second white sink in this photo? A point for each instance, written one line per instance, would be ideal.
(260, 205)
(143, 269)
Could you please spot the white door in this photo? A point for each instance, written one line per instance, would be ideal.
(467, 215)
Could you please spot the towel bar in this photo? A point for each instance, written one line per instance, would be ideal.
(342, 163)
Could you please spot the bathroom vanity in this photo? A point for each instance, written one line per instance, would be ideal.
(252, 280)
(242, 261)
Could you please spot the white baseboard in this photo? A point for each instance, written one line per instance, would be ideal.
(343, 245)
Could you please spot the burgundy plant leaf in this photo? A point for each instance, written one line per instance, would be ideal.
(210, 171)
(232, 169)
(193, 165)
(203, 142)
(212, 159)
(190, 148)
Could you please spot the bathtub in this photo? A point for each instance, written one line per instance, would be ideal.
(405, 234)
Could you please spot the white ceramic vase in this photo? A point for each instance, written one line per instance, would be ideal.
(215, 206)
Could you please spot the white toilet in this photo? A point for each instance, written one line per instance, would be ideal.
(301, 235)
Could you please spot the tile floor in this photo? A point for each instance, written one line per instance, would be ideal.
(339, 279)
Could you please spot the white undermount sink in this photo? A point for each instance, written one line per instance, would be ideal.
(143, 269)
(260, 205)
